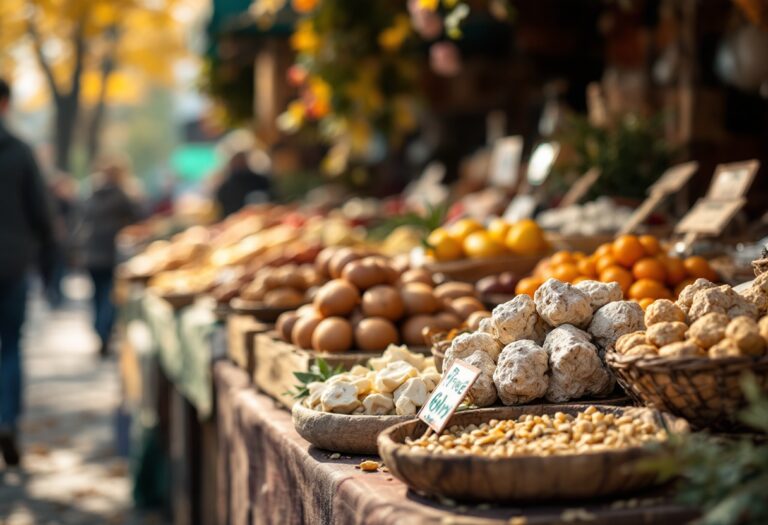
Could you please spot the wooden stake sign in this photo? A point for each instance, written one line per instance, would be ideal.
(448, 395)
(505, 161)
(710, 217)
(670, 182)
(580, 188)
(731, 181)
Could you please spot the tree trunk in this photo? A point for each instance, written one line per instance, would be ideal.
(97, 118)
(66, 109)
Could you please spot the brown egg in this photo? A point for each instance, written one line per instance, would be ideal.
(337, 297)
(473, 321)
(418, 298)
(303, 328)
(464, 306)
(284, 324)
(454, 290)
(333, 334)
(365, 273)
(343, 257)
(400, 263)
(355, 317)
(447, 320)
(283, 298)
(375, 333)
(417, 275)
(307, 309)
(323, 260)
(383, 301)
(413, 327)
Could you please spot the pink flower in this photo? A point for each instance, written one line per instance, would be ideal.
(444, 58)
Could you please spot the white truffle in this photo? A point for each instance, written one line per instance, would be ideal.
(467, 344)
(378, 404)
(389, 378)
(483, 391)
(521, 373)
(340, 398)
(685, 299)
(487, 326)
(414, 389)
(663, 310)
(515, 319)
(666, 333)
(758, 293)
(599, 293)
(575, 367)
(560, 303)
(614, 320)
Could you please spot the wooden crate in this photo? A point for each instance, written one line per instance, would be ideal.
(241, 331)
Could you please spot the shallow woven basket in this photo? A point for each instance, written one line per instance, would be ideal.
(706, 392)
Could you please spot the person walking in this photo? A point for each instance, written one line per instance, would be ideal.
(110, 207)
(26, 235)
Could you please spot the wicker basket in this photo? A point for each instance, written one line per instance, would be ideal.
(706, 392)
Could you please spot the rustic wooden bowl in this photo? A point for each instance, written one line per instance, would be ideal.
(350, 434)
(179, 300)
(256, 309)
(472, 270)
(521, 478)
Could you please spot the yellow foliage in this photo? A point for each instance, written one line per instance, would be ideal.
(144, 38)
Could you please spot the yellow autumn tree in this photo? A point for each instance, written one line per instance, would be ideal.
(83, 46)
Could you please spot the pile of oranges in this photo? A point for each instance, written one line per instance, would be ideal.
(638, 263)
(468, 238)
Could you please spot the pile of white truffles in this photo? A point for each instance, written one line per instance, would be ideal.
(397, 383)
(550, 347)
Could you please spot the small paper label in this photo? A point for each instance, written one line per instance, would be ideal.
(673, 180)
(448, 395)
(731, 181)
(505, 161)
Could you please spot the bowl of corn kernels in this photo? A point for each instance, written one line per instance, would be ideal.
(534, 452)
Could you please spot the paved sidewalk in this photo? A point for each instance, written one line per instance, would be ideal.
(70, 473)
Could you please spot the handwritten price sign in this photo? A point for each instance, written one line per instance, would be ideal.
(448, 395)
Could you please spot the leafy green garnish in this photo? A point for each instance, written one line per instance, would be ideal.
(319, 371)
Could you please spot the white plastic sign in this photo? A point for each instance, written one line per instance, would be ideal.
(448, 395)
(505, 161)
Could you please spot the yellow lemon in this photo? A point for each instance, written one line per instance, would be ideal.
(498, 229)
(480, 245)
(443, 246)
(526, 238)
(460, 229)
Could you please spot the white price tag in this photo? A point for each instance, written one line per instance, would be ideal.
(448, 395)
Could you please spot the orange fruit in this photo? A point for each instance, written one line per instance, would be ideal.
(526, 238)
(579, 279)
(498, 229)
(461, 229)
(480, 245)
(646, 302)
(566, 272)
(617, 274)
(603, 249)
(698, 267)
(562, 257)
(443, 246)
(649, 268)
(604, 262)
(645, 288)
(587, 267)
(528, 285)
(627, 250)
(578, 256)
(543, 267)
(650, 244)
(676, 272)
(681, 285)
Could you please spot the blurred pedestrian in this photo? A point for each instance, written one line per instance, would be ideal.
(64, 193)
(112, 205)
(26, 235)
(246, 181)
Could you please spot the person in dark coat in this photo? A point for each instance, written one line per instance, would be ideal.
(242, 185)
(26, 236)
(108, 209)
